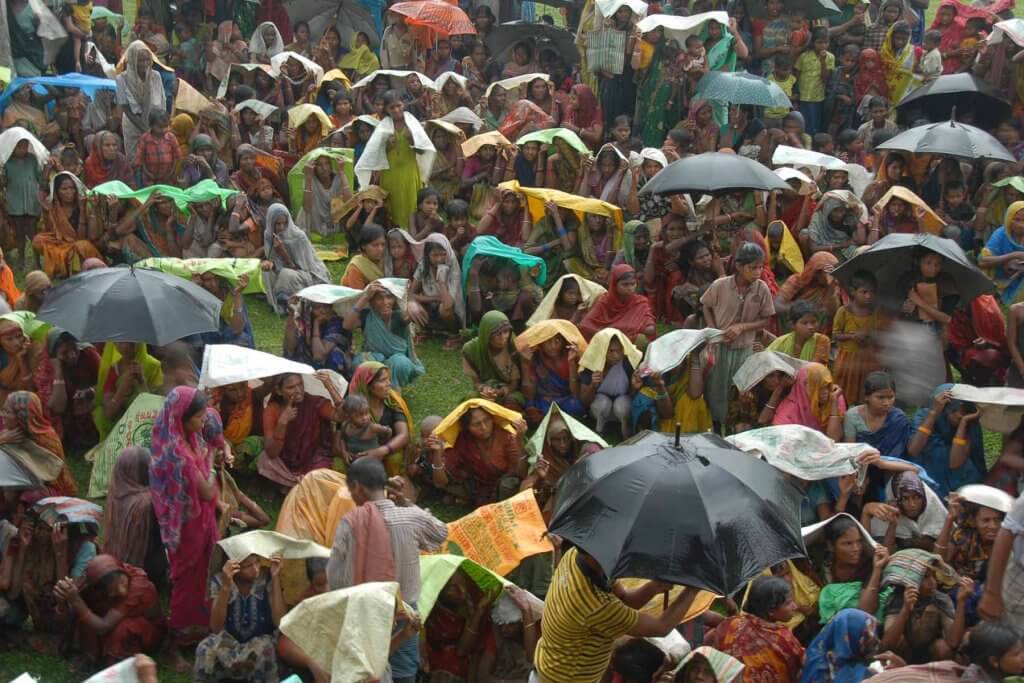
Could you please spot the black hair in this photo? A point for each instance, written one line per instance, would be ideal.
(314, 566)
(878, 381)
(429, 248)
(880, 137)
(837, 527)
(622, 120)
(637, 661)
(368, 472)
(427, 193)
(749, 253)
(767, 593)
(955, 185)
(990, 640)
(243, 92)
(802, 307)
(355, 402)
(175, 356)
(819, 33)
(198, 404)
(299, 24)
(681, 137)
(784, 60)
(863, 279)
(934, 34)
(369, 233)
(847, 136)
(456, 208)
(901, 28)
(391, 97)
(876, 102)
(158, 117)
(692, 38)
(467, 417)
(820, 140)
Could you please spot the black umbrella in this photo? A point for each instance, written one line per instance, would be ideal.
(503, 39)
(701, 513)
(949, 138)
(811, 9)
(713, 172)
(891, 261)
(131, 305)
(962, 93)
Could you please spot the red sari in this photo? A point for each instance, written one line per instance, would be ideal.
(142, 625)
(984, 322)
(631, 316)
(769, 651)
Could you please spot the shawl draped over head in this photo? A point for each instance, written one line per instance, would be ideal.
(453, 277)
(151, 371)
(375, 156)
(141, 92)
(843, 649)
(954, 34)
(1001, 244)
(28, 412)
(821, 229)
(174, 451)
(129, 502)
(182, 126)
(795, 284)
(587, 111)
(589, 292)
(768, 650)
(546, 329)
(363, 377)
(803, 404)
(935, 456)
(631, 315)
(99, 170)
(867, 78)
(258, 47)
(295, 242)
(477, 351)
(899, 68)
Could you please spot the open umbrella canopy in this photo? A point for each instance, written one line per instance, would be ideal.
(963, 93)
(503, 39)
(891, 259)
(812, 9)
(131, 305)
(435, 15)
(740, 87)
(949, 138)
(713, 172)
(700, 513)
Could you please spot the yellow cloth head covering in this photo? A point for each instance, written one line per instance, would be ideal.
(546, 329)
(593, 358)
(450, 426)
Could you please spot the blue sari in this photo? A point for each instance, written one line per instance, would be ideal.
(935, 456)
(1000, 244)
(392, 346)
(843, 649)
(551, 384)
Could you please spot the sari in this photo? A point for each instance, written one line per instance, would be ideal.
(99, 170)
(551, 378)
(477, 353)
(31, 420)
(226, 334)
(137, 96)
(141, 626)
(841, 652)
(395, 408)
(306, 444)
(485, 468)
(692, 415)
(130, 522)
(391, 344)
(803, 404)
(16, 372)
(899, 68)
(631, 316)
(284, 280)
(75, 424)
(26, 47)
(331, 332)
(891, 438)
(769, 651)
(587, 112)
(564, 170)
(804, 287)
(1001, 244)
(935, 455)
(57, 240)
(867, 80)
(720, 57)
(188, 524)
(981, 319)
(653, 115)
(815, 350)
(361, 271)
(107, 374)
(855, 360)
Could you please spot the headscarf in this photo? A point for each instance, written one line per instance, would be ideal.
(363, 377)
(898, 67)
(935, 456)
(28, 412)
(843, 649)
(37, 282)
(803, 404)
(172, 447)
(138, 89)
(453, 279)
(629, 243)
(98, 170)
(631, 315)
(587, 111)
(477, 351)
(866, 78)
(295, 242)
(259, 48)
(908, 568)
(129, 508)
(182, 126)
(151, 371)
(821, 261)
(821, 229)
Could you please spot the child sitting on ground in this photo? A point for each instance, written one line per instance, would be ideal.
(804, 342)
(457, 229)
(358, 433)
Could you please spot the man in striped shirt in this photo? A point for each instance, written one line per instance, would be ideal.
(411, 530)
(583, 616)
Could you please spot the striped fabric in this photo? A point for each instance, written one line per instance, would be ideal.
(908, 568)
(606, 49)
(580, 625)
(74, 510)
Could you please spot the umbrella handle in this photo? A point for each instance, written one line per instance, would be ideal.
(679, 429)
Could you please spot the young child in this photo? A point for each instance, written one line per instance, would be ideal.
(823, 144)
(457, 229)
(358, 433)
(78, 24)
(190, 55)
(158, 152)
(692, 62)
(435, 288)
(929, 67)
(850, 147)
(814, 69)
(853, 329)
(878, 112)
(341, 114)
(22, 179)
(419, 469)
(955, 207)
(782, 76)
(426, 220)
(804, 342)
(401, 257)
(369, 210)
(842, 91)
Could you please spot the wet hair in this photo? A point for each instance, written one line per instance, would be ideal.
(784, 60)
(846, 136)
(368, 472)
(314, 566)
(243, 92)
(622, 120)
(955, 185)
(878, 381)
(989, 640)
(680, 137)
(427, 193)
(802, 307)
(767, 593)
(637, 660)
(749, 253)
(391, 97)
(900, 28)
(456, 208)
(158, 117)
(837, 527)
(820, 140)
(691, 39)
(174, 357)
(369, 233)
(198, 404)
(878, 102)
(355, 403)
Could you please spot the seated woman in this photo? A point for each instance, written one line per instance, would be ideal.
(117, 611)
(451, 632)
(804, 342)
(978, 345)
(131, 532)
(947, 442)
(491, 362)
(622, 308)
(911, 515)
(315, 334)
(446, 173)
(606, 379)
(499, 284)
(815, 401)
(508, 219)
(65, 384)
(154, 228)
(476, 453)
(322, 183)
(248, 604)
(663, 400)
(19, 359)
(437, 288)
(836, 226)
(766, 379)
(243, 237)
(387, 409)
(63, 238)
(568, 299)
(557, 239)
(608, 177)
(969, 531)
(850, 573)
(843, 649)
(759, 636)
(921, 622)
(235, 326)
(549, 353)
(291, 263)
(507, 651)
(813, 284)
(368, 265)
(126, 370)
(297, 438)
(878, 422)
(29, 438)
(203, 163)
(708, 665)
(1002, 254)
(696, 266)
(386, 334)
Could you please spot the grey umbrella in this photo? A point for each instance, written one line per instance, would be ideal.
(503, 39)
(740, 87)
(713, 173)
(963, 93)
(131, 305)
(949, 138)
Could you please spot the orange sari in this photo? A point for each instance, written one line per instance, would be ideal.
(58, 242)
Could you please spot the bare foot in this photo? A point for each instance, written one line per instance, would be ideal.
(177, 660)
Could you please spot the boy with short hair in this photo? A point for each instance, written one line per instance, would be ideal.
(782, 76)
(929, 67)
(158, 152)
(814, 68)
(878, 112)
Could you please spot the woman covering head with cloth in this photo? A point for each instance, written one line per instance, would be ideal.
(911, 515)
(19, 357)
(549, 354)
(815, 285)
(184, 486)
(140, 91)
(65, 382)
(947, 441)
(126, 370)
(131, 531)
(815, 401)
(1003, 254)
(622, 308)
(26, 429)
(291, 263)
(266, 42)
(386, 334)
(315, 334)
(388, 409)
(842, 651)
(63, 239)
(969, 533)
(226, 49)
(899, 58)
(491, 361)
(106, 162)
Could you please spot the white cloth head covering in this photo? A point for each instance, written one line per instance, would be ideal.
(375, 156)
(78, 184)
(297, 244)
(259, 48)
(278, 60)
(505, 611)
(463, 116)
(10, 138)
(453, 278)
(141, 92)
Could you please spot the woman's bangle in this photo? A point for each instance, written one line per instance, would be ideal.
(940, 545)
(925, 430)
(834, 416)
(562, 232)
(957, 441)
(769, 406)
(436, 467)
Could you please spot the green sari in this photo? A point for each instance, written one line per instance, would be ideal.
(721, 57)
(477, 353)
(653, 96)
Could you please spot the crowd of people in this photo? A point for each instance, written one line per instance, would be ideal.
(486, 194)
